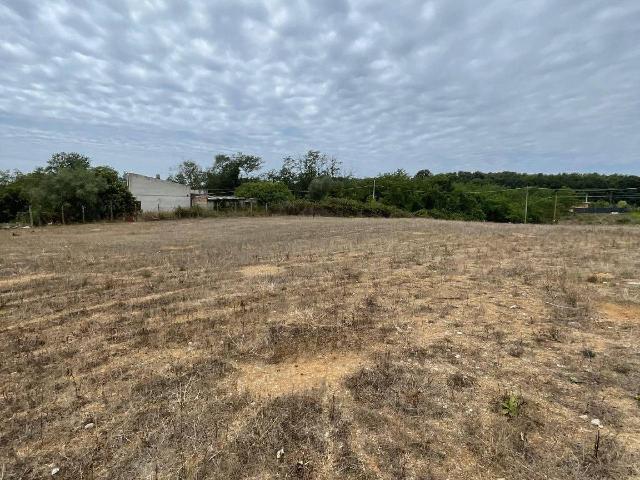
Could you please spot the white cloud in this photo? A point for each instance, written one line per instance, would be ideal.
(512, 84)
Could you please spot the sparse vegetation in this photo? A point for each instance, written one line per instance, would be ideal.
(511, 404)
(319, 348)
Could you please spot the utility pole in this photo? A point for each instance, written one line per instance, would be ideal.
(30, 216)
(555, 207)
(373, 196)
(526, 203)
(82, 213)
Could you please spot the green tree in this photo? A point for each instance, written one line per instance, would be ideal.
(322, 187)
(12, 196)
(114, 196)
(424, 173)
(190, 173)
(62, 160)
(299, 172)
(66, 190)
(228, 172)
(265, 192)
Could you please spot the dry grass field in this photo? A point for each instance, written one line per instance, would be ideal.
(320, 348)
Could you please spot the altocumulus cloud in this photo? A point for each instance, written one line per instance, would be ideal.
(535, 85)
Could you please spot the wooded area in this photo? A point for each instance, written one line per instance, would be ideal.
(69, 189)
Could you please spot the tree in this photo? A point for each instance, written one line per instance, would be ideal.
(299, 172)
(190, 173)
(424, 173)
(397, 189)
(114, 198)
(62, 160)
(12, 196)
(322, 187)
(69, 189)
(6, 177)
(227, 171)
(265, 192)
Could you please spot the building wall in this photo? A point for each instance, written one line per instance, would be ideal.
(155, 194)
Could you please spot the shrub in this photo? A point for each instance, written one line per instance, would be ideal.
(511, 404)
(265, 192)
(339, 207)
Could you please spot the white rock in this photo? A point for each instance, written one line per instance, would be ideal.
(89, 426)
(513, 306)
(584, 417)
(457, 355)
(596, 422)
(54, 470)
(280, 453)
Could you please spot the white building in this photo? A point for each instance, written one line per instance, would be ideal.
(157, 195)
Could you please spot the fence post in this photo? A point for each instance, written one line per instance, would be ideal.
(82, 213)
(62, 209)
(111, 210)
(30, 216)
(266, 208)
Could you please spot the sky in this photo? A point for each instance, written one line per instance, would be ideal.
(522, 85)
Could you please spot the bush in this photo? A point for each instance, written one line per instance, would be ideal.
(338, 207)
(265, 192)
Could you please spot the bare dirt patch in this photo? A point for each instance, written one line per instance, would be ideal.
(261, 270)
(326, 371)
(622, 313)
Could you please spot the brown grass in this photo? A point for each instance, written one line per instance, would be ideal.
(357, 348)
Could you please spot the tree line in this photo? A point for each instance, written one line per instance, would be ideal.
(317, 177)
(68, 188)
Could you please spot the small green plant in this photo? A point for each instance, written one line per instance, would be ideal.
(511, 404)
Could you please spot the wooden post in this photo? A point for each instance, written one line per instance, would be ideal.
(526, 203)
(555, 207)
(82, 213)
(111, 210)
(30, 216)
(62, 209)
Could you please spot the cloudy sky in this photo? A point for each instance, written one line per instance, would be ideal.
(533, 85)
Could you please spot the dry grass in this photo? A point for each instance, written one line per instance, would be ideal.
(320, 348)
